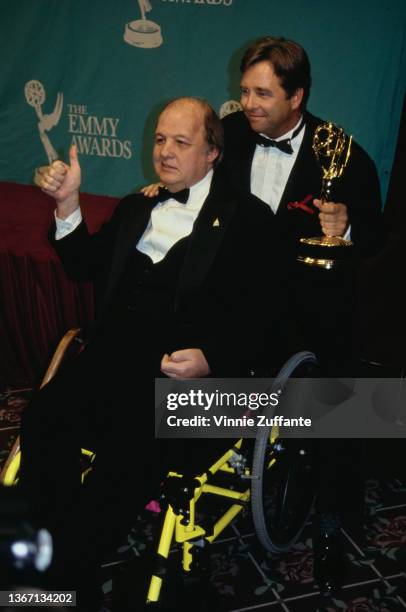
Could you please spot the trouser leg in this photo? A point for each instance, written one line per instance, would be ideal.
(340, 482)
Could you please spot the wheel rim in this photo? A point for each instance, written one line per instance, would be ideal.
(287, 493)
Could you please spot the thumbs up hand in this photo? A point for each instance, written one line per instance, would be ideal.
(62, 182)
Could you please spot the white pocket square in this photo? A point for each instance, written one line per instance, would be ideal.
(216, 223)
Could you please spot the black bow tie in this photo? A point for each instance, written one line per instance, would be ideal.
(282, 145)
(181, 196)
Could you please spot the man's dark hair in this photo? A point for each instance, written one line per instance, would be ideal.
(289, 60)
(212, 124)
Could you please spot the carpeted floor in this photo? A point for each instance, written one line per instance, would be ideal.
(242, 576)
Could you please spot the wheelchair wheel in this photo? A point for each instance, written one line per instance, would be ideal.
(282, 489)
(70, 344)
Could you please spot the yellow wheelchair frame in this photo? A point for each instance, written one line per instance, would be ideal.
(181, 525)
(180, 495)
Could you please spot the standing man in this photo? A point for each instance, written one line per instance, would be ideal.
(268, 153)
(175, 276)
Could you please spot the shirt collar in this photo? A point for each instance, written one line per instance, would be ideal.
(296, 141)
(288, 134)
(201, 189)
(197, 194)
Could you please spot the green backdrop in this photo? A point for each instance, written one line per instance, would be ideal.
(95, 73)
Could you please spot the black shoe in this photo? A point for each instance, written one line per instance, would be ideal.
(330, 567)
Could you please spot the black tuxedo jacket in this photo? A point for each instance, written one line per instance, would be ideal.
(358, 187)
(321, 304)
(223, 273)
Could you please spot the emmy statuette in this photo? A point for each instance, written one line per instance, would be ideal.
(332, 148)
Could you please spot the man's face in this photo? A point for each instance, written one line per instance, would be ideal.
(181, 154)
(265, 102)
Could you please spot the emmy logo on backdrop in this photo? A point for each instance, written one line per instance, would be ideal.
(35, 95)
(143, 32)
(231, 106)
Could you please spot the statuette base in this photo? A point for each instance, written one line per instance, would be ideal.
(143, 33)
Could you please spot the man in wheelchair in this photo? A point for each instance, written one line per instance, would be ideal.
(175, 278)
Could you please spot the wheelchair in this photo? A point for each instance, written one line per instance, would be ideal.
(273, 475)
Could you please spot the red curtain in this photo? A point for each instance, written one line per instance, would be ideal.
(38, 303)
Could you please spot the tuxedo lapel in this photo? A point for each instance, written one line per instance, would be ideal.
(134, 226)
(129, 232)
(301, 179)
(239, 151)
(206, 238)
(242, 169)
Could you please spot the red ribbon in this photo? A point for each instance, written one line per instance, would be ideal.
(302, 205)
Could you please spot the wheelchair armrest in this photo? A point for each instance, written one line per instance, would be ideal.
(65, 343)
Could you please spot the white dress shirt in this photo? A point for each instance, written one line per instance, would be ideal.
(169, 221)
(66, 226)
(271, 168)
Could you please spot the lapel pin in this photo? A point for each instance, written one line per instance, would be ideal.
(216, 223)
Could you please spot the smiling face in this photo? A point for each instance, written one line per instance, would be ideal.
(265, 102)
(181, 155)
